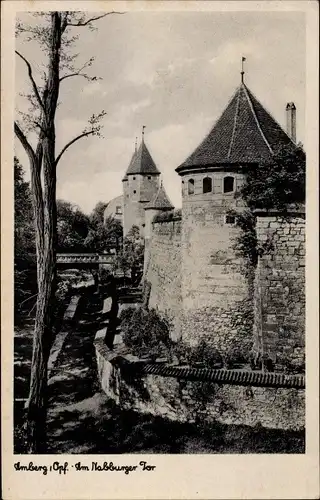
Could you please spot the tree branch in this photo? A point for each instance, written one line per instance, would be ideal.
(84, 134)
(34, 85)
(72, 74)
(85, 23)
(24, 141)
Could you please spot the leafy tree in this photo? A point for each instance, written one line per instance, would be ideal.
(24, 241)
(54, 33)
(279, 184)
(72, 227)
(103, 235)
(24, 237)
(97, 214)
(131, 257)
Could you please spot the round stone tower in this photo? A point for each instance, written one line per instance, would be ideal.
(215, 290)
(140, 184)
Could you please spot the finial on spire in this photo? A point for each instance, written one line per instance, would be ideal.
(242, 70)
(143, 127)
(136, 144)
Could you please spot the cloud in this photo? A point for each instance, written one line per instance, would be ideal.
(173, 72)
(102, 187)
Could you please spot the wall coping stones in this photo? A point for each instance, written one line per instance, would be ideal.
(62, 335)
(293, 210)
(137, 367)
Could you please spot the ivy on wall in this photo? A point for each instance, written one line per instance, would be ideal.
(279, 184)
(168, 216)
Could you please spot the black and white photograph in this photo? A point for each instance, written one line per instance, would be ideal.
(159, 171)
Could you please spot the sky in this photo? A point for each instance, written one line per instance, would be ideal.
(174, 73)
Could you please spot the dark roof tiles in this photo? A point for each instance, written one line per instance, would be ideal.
(160, 201)
(142, 162)
(244, 133)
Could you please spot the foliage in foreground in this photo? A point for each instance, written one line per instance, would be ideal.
(145, 333)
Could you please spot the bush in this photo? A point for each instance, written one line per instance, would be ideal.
(168, 216)
(145, 333)
(237, 355)
(202, 353)
(62, 292)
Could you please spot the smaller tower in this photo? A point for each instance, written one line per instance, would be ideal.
(160, 203)
(140, 184)
(291, 120)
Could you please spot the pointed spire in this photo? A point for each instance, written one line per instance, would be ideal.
(141, 161)
(160, 200)
(245, 132)
(242, 70)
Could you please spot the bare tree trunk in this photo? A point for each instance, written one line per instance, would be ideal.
(43, 336)
(37, 401)
(43, 164)
(46, 257)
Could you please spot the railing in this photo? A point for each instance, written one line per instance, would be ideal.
(85, 258)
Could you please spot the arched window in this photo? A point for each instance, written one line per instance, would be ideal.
(190, 186)
(228, 184)
(207, 185)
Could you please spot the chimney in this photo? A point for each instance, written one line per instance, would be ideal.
(291, 120)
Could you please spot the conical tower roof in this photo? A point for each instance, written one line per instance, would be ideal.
(160, 201)
(244, 133)
(142, 162)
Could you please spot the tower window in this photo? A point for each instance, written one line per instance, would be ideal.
(207, 185)
(230, 219)
(134, 191)
(134, 178)
(190, 186)
(149, 177)
(228, 184)
(118, 211)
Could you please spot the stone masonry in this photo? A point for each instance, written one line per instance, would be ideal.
(279, 328)
(163, 270)
(185, 400)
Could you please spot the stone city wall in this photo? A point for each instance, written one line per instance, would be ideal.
(163, 269)
(279, 329)
(182, 399)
